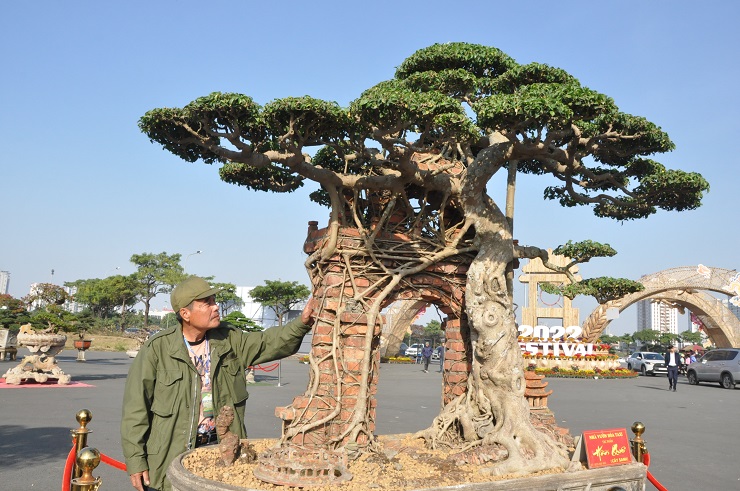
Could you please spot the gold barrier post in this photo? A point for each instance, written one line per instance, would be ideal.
(83, 417)
(639, 449)
(87, 460)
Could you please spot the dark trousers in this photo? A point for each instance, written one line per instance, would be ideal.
(672, 376)
(426, 362)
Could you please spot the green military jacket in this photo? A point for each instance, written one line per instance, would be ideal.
(162, 396)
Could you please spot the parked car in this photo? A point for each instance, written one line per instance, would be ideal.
(719, 365)
(436, 353)
(402, 349)
(414, 350)
(647, 362)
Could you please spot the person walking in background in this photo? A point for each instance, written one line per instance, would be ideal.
(426, 356)
(441, 358)
(673, 362)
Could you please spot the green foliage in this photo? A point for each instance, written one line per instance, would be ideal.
(646, 336)
(433, 331)
(482, 62)
(54, 319)
(238, 319)
(691, 337)
(668, 338)
(190, 132)
(531, 107)
(583, 251)
(609, 339)
(155, 274)
(602, 288)
(280, 296)
(13, 312)
(104, 296)
(227, 299)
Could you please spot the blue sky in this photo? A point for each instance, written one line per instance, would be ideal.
(83, 189)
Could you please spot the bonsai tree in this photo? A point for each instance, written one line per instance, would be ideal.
(48, 315)
(405, 171)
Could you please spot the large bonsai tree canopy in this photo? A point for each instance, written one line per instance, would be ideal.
(422, 148)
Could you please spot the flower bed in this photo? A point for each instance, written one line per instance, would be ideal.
(397, 359)
(575, 372)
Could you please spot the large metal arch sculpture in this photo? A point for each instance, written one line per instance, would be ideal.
(398, 320)
(683, 286)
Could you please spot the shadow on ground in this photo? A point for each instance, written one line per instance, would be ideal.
(21, 446)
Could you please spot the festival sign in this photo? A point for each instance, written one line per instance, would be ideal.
(557, 341)
(606, 447)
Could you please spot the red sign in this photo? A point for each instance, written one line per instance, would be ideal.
(607, 447)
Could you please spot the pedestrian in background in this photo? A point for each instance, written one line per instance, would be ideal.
(441, 358)
(673, 362)
(426, 356)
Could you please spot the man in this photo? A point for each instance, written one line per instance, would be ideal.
(426, 355)
(184, 375)
(673, 363)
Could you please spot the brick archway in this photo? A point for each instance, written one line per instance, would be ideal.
(684, 286)
(346, 330)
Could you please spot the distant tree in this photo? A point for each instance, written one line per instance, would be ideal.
(227, 299)
(156, 274)
(691, 337)
(645, 336)
(123, 292)
(416, 334)
(433, 331)
(667, 338)
(607, 338)
(13, 312)
(238, 319)
(280, 296)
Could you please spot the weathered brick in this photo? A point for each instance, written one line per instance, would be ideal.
(456, 378)
(354, 341)
(353, 354)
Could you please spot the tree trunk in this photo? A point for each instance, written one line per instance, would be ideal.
(493, 412)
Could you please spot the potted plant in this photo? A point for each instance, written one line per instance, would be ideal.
(43, 336)
(81, 344)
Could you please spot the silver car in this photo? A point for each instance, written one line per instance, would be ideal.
(719, 365)
(647, 362)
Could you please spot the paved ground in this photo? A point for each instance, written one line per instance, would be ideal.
(692, 434)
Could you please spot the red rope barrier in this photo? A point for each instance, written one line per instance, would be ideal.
(112, 462)
(68, 466)
(268, 368)
(650, 477)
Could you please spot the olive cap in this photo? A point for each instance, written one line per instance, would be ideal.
(193, 288)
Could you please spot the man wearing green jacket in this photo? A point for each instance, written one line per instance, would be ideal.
(184, 375)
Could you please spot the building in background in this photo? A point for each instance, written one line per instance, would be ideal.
(735, 309)
(657, 316)
(4, 282)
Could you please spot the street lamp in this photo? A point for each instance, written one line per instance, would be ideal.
(188, 257)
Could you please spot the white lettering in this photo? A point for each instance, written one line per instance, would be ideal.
(542, 332)
(568, 349)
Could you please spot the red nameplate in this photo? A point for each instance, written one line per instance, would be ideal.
(607, 447)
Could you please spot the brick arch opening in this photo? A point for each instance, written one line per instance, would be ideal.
(349, 324)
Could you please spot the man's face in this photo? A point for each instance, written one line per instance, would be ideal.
(204, 313)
